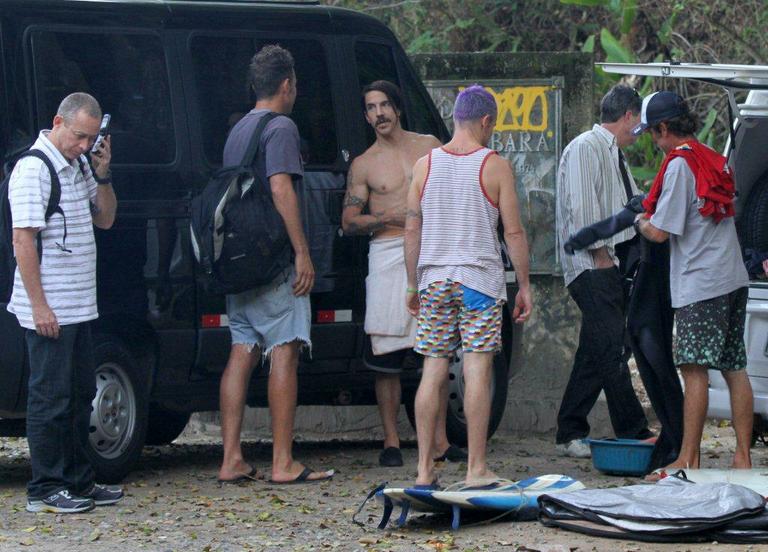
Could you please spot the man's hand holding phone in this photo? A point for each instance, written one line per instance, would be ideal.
(101, 152)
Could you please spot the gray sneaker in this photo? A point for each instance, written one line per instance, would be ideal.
(104, 496)
(60, 503)
(578, 448)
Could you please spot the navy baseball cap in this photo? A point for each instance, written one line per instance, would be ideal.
(658, 107)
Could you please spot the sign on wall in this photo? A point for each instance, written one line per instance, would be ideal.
(528, 135)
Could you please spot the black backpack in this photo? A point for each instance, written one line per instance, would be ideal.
(7, 258)
(238, 237)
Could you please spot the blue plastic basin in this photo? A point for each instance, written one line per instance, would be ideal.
(621, 456)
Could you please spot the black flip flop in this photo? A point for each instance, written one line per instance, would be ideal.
(303, 477)
(245, 478)
(452, 454)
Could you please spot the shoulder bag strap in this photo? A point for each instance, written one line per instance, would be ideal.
(253, 145)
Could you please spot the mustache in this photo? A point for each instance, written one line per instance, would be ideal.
(382, 120)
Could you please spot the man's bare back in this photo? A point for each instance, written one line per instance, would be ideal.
(379, 178)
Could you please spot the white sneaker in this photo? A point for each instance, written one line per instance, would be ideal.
(578, 448)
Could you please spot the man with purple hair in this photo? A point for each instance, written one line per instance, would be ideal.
(456, 281)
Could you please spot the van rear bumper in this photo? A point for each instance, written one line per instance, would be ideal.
(720, 401)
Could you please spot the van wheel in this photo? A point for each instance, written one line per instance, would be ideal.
(753, 225)
(456, 422)
(164, 425)
(119, 416)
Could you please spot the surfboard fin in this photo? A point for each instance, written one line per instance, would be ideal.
(371, 494)
(404, 513)
(388, 507)
(456, 517)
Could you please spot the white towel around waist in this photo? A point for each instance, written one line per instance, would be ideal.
(387, 321)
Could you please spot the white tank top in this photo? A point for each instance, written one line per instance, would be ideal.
(459, 237)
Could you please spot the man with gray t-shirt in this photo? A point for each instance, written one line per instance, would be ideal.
(275, 317)
(691, 204)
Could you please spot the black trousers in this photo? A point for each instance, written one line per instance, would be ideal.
(600, 363)
(62, 385)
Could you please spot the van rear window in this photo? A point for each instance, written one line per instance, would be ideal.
(221, 78)
(126, 73)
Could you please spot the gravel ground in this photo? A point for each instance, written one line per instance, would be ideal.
(173, 502)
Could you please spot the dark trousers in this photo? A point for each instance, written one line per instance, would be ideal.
(600, 362)
(61, 387)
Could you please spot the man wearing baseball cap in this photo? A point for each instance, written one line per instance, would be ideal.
(691, 205)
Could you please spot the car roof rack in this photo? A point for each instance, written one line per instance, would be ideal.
(731, 77)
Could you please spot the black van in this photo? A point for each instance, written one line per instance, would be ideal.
(172, 74)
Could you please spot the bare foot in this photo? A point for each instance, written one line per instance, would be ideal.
(479, 479)
(741, 462)
(296, 469)
(661, 473)
(239, 469)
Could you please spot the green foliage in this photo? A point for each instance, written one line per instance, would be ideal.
(586, 2)
(589, 45)
(614, 50)
(705, 31)
(706, 135)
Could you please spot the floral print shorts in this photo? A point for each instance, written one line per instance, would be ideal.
(711, 333)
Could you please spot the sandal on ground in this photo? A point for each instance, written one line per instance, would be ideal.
(303, 477)
(245, 478)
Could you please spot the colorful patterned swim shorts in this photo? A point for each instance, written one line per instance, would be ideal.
(451, 313)
(711, 333)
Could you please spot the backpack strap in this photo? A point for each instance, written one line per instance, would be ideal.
(55, 197)
(253, 145)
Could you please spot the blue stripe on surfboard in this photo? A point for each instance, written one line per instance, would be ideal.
(426, 496)
(398, 496)
(505, 502)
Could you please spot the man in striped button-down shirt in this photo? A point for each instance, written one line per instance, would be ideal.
(593, 182)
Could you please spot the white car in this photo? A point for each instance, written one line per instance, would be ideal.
(747, 152)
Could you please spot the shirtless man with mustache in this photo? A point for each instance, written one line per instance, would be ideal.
(377, 187)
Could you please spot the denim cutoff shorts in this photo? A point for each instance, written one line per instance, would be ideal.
(270, 315)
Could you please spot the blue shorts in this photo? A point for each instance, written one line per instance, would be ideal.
(270, 315)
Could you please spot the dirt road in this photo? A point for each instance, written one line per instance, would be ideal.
(173, 503)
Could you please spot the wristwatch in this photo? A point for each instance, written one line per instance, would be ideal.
(103, 181)
(636, 224)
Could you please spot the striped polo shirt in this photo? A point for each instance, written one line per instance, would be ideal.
(459, 238)
(68, 277)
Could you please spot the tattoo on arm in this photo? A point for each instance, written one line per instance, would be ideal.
(351, 200)
(411, 213)
(368, 227)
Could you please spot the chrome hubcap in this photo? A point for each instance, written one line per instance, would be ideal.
(456, 386)
(113, 416)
